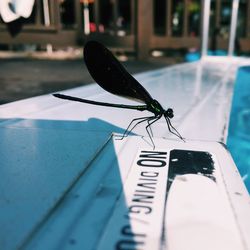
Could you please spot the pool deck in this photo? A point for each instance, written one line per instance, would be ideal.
(22, 78)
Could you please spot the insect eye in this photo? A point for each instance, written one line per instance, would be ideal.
(170, 113)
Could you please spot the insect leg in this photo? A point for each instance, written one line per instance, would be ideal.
(128, 130)
(172, 129)
(148, 128)
(176, 131)
(145, 119)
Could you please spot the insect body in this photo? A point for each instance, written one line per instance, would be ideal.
(111, 76)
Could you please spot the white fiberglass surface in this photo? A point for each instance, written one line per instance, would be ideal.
(59, 161)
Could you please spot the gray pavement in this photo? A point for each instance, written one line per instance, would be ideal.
(23, 78)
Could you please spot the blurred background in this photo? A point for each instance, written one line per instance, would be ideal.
(143, 34)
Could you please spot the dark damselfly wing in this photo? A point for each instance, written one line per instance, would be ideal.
(108, 72)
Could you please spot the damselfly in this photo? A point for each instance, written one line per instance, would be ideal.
(108, 72)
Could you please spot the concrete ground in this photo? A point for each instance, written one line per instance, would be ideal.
(22, 78)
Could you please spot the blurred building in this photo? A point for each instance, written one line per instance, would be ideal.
(137, 26)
